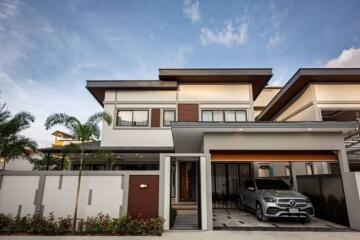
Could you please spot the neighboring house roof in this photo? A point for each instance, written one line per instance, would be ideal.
(258, 77)
(95, 146)
(300, 80)
(58, 133)
(169, 78)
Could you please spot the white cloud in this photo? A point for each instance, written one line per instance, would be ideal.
(191, 10)
(275, 40)
(348, 58)
(8, 8)
(228, 36)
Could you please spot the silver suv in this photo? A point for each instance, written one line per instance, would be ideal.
(274, 198)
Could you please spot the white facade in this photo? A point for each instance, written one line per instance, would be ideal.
(207, 96)
(309, 103)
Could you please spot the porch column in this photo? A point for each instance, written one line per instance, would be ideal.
(204, 182)
(177, 182)
(164, 190)
(293, 175)
(351, 186)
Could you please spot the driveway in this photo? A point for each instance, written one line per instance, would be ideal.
(214, 235)
(238, 219)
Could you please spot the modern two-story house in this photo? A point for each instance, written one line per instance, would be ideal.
(201, 129)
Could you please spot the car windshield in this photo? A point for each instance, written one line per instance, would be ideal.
(271, 184)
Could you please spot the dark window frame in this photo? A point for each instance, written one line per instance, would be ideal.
(163, 116)
(132, 118)
(223, 113)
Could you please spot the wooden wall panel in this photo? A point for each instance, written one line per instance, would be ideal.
(188, 112)
(143, 202)
(273, 156)
(155, 117)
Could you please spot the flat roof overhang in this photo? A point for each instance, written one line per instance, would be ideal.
(258, 77)
(98, 87)
(300, 80)
(188, 136)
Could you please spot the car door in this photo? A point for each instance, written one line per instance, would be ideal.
(246, 193)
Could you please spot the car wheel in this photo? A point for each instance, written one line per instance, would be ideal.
(259, 212)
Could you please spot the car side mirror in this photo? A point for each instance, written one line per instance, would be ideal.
(251, 189)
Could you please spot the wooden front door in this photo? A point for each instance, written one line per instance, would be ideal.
(187, 181)
(143, 198)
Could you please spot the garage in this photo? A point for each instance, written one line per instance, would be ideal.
(309, 157)
(303, 190)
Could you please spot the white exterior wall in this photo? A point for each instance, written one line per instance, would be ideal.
(16, 191)
(322, 96)
(337, 96)
(209, 96)
(55, 191)
(264, 98)
(302, 109)
(107, 195)
(214, 93)
(137, 136)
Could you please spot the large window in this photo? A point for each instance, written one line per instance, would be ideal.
(168, 117)
(132, 118)
(223, 115)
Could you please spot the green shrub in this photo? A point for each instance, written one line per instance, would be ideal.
(6, 221)
(96, 225)
(64, 225)
(101, 224)
(154, 226)
(119, 225)
(36, 224)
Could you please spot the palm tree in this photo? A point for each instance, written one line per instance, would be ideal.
(12, 144)
(83, 132)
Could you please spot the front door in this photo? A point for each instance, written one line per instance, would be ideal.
(187, 181)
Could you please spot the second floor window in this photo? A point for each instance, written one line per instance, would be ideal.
(168, 117)
(132, 118)
(223, 116)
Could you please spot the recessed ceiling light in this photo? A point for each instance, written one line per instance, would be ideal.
(309, 129)
(141, 156)
(136, 154)
(240, 129)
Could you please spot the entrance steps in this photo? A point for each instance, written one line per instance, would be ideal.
(186, 222)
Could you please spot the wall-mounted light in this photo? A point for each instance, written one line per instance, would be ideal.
(143, 185)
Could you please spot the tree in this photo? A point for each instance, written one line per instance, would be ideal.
(58, 162)
(12, 143)
(83, 132)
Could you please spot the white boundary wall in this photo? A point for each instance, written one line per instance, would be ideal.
(24, 193)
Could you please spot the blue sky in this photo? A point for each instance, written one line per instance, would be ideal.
(50, 48)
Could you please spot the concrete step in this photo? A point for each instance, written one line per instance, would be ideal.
(185, 222)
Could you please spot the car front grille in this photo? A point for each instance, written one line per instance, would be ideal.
(272, 210)
(285, 202)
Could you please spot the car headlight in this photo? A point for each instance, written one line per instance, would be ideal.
(269, 199)
(307, 200)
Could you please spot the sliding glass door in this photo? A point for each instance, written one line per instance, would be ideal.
(227, 179)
